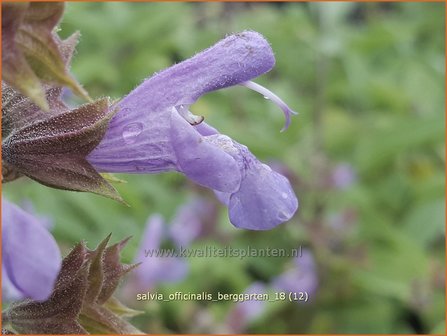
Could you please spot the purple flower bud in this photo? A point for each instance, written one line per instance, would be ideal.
(301, 278)
(31, 257)
(153, 131)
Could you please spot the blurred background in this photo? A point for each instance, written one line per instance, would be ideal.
(366, 157)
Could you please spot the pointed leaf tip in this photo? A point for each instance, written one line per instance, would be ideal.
(34, 56)
(82, 300)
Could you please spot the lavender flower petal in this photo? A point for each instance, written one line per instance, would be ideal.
(201, 161)
(31, 257)
(9, 291)
(233, 60)
(136, 143)
(264, 198)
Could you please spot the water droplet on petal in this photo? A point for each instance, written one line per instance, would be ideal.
(266, 167)
(284, 195)
(265, 97)
(131, 132)
(282, 216)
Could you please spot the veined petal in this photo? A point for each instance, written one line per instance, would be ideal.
(31, 256)
(264, 198)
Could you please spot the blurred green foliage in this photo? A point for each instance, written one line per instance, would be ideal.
(368, 82)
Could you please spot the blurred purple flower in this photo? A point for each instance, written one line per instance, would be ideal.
(342, 220)
(154, 131)
(156, 268)
(9, 291)
(189, 221)
(31, 257)
(343, 176)
(301, 278)
(246, 312)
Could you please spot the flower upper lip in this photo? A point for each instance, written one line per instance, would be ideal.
(234, 60)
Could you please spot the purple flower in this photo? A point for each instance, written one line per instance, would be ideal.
(154, 131)
(247, 311)
(189, 221)
(31, 257)
(341, 222)
(343, 176)
(156, 268)
(302, 277)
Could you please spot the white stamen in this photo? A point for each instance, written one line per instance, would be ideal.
(274, 98)
(193, 119)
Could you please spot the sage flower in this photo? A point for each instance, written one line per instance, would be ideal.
(31, 257)
(191, 221)
(248, 311)
(156, 268)
(153, 131)
(302, 277)
(343, 176)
